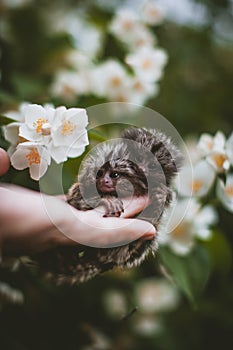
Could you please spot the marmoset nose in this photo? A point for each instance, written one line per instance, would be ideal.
(107, 179)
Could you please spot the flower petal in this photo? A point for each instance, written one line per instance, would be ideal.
(229, 148)
(32, 113)
(11, 132)
(59, 154)
(225, 192)
(198, 183)
(19, 160)
(28, 133)
(180, 248)
(38, 170)
(32, 155)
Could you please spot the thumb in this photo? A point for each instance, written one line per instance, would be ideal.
(4, 162)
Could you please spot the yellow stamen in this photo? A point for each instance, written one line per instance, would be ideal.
(180, 231)
(229, 191)
(196, 185)
(219, 160)
(67, 128)
(68, 91)
(138, 86)
(121, 98)
(116, 81)
(210, 145)
(39, 123)
(127, 25)
(147, 64)
(153, 12)
(33, 157)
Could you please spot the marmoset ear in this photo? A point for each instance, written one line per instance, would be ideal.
(156, 147)
(169, 159)
(130, 133)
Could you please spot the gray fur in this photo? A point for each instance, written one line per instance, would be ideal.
(150, 161)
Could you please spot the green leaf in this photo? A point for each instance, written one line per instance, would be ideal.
(220, 253)
(27, 87)
(96, 135)
(190, 272)
(5, 120)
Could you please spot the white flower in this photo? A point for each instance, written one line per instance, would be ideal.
(87, 37)
(78, 59)
(46, 132)
(216, 151)
(184, 222)
(206, 216)
(148, 63)
(111, 80)
(38, 123)
(141, 90)
(197, 182)
(152, 13)
(124, 24)
(115, 303)
(17, 115)
(10, 295)
(140, 37)
(208, 143)
(11, 134)
(225, 192)
(33, 156)
(219, 161)
(68, 133)
(156, 295)
(68, 84)
(146, 325)
(11, 130)
(127, 27)
(194, 153)
(229, 148)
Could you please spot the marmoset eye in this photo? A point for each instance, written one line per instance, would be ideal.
(114, 175)
(99, 173)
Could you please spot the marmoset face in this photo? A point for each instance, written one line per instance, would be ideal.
(106, 180)
(120, 176)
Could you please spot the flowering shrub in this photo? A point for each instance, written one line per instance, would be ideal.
(118, 58)
(133, 79)
(44, 133)
(38, 134)
(211, 161)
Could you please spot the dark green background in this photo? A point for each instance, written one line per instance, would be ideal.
(196, 97)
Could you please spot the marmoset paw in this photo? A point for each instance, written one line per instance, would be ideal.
(113, 207)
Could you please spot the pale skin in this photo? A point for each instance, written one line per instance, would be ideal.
(31, 222)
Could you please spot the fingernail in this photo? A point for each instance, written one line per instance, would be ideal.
(148, 236)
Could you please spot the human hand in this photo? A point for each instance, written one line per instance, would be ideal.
(31, 222)
(4, 162)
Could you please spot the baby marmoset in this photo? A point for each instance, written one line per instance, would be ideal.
(143, 161)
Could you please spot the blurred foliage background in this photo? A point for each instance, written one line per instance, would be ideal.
(195, 96)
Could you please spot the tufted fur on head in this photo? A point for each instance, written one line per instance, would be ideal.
(161, 146)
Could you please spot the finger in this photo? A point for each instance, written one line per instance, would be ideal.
(4, 162)
(107, 232)
(134, 230)
(134, 206)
